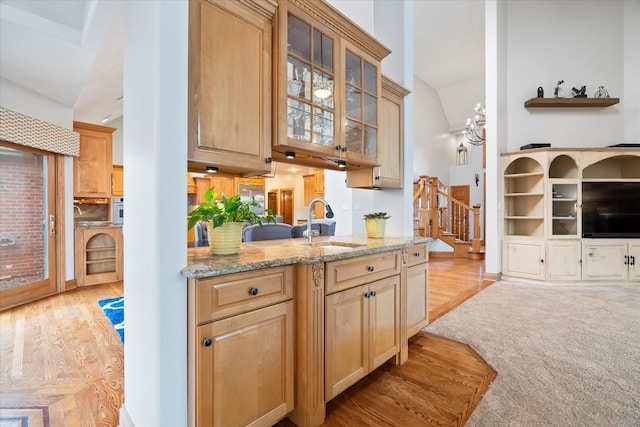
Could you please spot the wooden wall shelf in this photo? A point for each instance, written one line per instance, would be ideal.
(571, 102)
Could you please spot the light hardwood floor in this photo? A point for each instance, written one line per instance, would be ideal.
(61, 364)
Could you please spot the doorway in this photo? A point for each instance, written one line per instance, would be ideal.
(286, 205)
(459, 216)
(27, 224)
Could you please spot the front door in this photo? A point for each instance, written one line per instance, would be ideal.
(459, 216)
(27, 225)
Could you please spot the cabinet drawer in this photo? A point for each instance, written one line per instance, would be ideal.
(418, 254)
(347, 273)
(223, 296)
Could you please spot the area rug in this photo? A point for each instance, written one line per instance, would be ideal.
(114, 309)
(565, 355)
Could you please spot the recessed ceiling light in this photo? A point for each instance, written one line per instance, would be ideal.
(211, 169)
(290, 155)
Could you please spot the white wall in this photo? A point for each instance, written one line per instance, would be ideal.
(631, 54)
(155, 160)
(459, 101)
(24, 101)
(580, 44)
(434, 146)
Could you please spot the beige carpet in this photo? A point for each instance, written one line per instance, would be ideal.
(565, 355)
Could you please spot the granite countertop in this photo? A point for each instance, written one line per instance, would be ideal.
(271, 253)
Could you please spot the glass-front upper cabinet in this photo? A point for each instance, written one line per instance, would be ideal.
(361, 105)
(310, 83)
(327, 87)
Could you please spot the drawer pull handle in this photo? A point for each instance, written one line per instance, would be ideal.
(207, 342)
(253, 291)
(370, 268)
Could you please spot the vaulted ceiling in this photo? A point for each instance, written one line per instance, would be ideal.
(71, 51)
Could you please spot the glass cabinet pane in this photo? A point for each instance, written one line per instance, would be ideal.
(370, 110)
(353, 137)
(310, 85)
(370, 78)
(298, 41)
(353, 103)
(322, 51)
(370, 138)
(353, 69)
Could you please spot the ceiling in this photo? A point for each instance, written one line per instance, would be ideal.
(71, 51)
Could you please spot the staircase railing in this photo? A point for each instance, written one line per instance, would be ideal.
(436, 212)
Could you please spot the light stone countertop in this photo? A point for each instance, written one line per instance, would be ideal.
(272, 253)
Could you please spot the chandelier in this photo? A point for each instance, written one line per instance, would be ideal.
(475, 131)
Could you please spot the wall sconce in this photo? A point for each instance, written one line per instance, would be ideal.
(290, 155)
(477, 180)
(461, 155)
(211, 169)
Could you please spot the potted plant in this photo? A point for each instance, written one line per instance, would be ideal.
(375, 224)
(225, 219)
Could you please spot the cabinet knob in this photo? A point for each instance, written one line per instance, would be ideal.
(377, 178)
(541, 261)
(373, 293)
(207, 342)
(253, 291)
(417, 254)
(367, 294)
(370, 268)
(344, 148)
(338, 147)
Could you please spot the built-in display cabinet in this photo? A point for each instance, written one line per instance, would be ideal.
(543, 215)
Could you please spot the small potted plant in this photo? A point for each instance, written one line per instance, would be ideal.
(225, 219)
(375, 224)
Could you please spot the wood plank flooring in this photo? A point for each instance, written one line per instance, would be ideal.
(61, 364)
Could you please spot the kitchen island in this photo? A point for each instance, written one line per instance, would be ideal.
(284, 322)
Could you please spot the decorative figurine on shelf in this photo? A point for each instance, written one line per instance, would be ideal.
(540, 92)
(582, 93)
(601, 93)
(559, 93)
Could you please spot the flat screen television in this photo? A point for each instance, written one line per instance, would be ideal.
(611, 209)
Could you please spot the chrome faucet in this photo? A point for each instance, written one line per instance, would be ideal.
(79, 210)
(310, 233)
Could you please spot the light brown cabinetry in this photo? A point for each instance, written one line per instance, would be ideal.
(314, 188)
(241, 348)
(230, 80)
(417, 296)
(98, 255)
(390, 142)
(362, 318)
(117, 181)
(92, 169)
(327, 88)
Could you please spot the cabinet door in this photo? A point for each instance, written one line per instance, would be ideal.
(524, 259)
(604, 260)
(417, 298)
(98, 256)
(117, 181)
(564, 260)
(92, 169)
(244, 367)
(634, 261)
(230, 85)
(224, 185)
(202, 185)
(346, 339)
(384, 320)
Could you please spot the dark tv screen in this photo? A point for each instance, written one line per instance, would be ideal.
(611, 209)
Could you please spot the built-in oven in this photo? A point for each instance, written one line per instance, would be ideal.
(117, 204)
